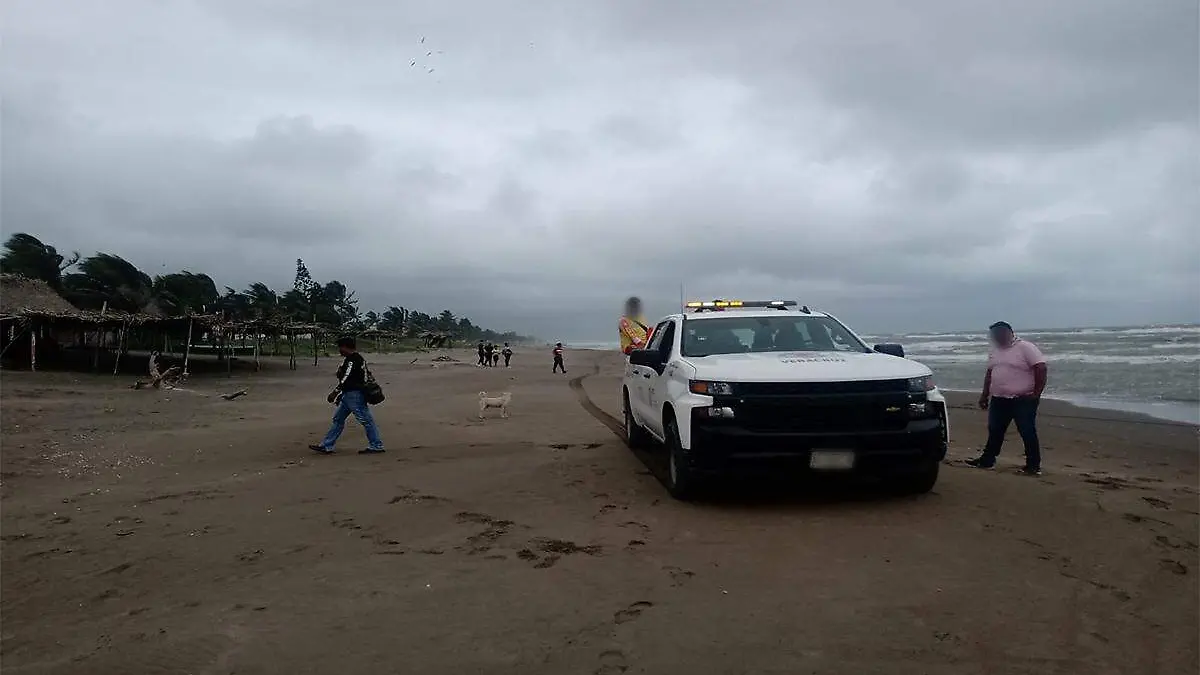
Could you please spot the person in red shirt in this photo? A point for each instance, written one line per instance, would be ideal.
(558, 358)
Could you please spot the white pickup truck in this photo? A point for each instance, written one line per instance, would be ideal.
(729, 385)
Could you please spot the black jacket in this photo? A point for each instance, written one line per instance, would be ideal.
(352, 375)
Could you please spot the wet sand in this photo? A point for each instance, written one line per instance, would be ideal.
(174, 532)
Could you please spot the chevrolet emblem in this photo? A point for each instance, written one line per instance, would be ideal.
(893, 409)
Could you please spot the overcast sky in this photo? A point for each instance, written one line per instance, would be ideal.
(908, 166)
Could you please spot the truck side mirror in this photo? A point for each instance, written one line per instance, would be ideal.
(890, 349)
(649, 358)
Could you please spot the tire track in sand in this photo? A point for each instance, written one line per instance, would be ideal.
(594, 410)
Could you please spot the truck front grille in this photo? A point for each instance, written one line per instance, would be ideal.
(820, 388)
(826, 412)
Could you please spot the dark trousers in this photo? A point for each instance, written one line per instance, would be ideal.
(1023, 411)
(506, 358)
(558, 363)
(481, 356)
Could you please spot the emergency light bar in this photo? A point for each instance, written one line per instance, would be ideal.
(714, 305)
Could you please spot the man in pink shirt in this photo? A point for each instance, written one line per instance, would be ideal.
(1012, 389)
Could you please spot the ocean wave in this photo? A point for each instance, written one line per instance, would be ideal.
(1126, 359)
(949, 358)
(1129, 359)
(943, 345)
(1064, 332)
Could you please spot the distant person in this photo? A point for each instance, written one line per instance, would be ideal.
(507, 352)
(632, 327)
(558, 358)
(488, 352)
(1012, 390)
(496, 357)
(482, 351)
(349, 398)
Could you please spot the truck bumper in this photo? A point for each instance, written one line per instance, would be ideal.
(721, 448)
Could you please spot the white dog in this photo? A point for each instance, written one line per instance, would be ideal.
(500, 402)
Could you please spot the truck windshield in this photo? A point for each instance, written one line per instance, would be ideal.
(783, 333)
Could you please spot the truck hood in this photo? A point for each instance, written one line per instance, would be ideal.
(805, 367)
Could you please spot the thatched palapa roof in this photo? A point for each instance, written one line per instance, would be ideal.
(24, 298)
(20, 296)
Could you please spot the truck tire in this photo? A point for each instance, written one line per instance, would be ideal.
(636, 436)
(681, 480)
(920, 481)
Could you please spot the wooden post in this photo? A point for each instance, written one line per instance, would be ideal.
(257, 348)
(121, 338)
(292, 346)
(227, 340)
(316, 345)
(187, 348)
(33, 331)
(99, 338)
(99, 345)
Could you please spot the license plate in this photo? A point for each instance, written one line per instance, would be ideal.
(831, 460)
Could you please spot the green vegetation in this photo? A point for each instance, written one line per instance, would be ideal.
(89, 283)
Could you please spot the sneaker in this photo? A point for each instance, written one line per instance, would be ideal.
(371, 451)
(321, 450)
(1026, 471)
(981, 462)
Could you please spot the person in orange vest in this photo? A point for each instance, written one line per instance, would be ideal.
(635, 334)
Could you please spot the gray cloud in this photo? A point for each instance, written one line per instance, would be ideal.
(921, 166)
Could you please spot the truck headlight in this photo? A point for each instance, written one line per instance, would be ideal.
(710, 388)
(920, 385)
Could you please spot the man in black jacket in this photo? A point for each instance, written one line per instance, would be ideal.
(350, 400)
(558, 358)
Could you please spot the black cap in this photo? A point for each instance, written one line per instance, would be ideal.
(1000, 324)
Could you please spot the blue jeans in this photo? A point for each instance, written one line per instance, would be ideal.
(353, 403)
(1004, 411)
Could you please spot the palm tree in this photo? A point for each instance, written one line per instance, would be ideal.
(26, 255)
(188, 292)
(394, 319)
(263, 302)
(109, 278)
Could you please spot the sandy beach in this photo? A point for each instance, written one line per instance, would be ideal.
(175, 532)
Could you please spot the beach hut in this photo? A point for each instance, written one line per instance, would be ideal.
(30, 310)
(35, 321)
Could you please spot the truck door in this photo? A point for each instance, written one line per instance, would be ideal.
(656, 384)
(639, 384)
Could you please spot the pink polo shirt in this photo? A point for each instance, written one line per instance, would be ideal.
(1012, 369)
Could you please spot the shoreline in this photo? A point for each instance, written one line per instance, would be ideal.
(1159, 412)
(1108, 410)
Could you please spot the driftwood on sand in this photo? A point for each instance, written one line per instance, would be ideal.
(171, 377)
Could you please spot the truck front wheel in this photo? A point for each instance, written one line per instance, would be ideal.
(920, 481)
(682, 480)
